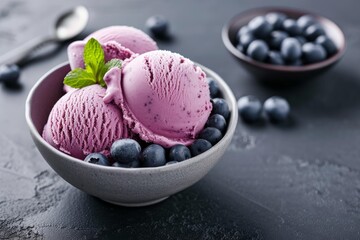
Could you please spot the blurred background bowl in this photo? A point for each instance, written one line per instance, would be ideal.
(122, 186)
(276, 73)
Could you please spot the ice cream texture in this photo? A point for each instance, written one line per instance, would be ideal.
(81, 123)
(164, 97)
(117, 42)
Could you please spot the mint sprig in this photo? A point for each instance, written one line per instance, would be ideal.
(95, 67)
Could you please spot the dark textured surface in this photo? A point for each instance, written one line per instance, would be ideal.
(300, 181)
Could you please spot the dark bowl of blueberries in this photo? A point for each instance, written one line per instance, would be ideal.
(283, 45)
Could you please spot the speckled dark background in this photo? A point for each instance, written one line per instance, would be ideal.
(299, 181)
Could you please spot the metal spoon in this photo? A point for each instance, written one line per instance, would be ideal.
(67, 26)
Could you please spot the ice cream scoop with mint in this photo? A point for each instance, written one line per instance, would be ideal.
(158, 97)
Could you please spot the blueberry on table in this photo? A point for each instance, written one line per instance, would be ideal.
(153, 156)
(216, 121)
(221, 107)
(133, 164)
(305, 21)
(291, 27)
(277, 109)
(275, 19)
(313, 53)
(314, 31)
(9, 74)
(97, 158)
(328, 44)
(276, 38)
(260, 27)
(125, 150)
(199, 146)
(158, 26)
(258, 50)
(213, 135)
(245, 40)
(213, 87)
(291, 49)
(275, 58)
(249, 108)
(179, 153)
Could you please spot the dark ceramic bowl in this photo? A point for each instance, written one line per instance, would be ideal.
(275, 73)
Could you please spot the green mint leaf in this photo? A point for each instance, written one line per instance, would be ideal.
(94, 58)
(79, 78)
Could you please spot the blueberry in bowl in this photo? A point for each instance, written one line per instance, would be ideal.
(283, 45)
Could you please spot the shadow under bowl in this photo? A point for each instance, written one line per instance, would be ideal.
(122, 186)
(275, 73)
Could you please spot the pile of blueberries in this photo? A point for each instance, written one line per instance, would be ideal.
(128, 153)
(277, 39)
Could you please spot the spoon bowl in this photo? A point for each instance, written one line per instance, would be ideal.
(71, 23)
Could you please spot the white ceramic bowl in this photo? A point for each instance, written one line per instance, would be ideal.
(122, 186)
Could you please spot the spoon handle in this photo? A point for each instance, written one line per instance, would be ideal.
(20, 53)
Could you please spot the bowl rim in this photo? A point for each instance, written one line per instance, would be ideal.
(231, 48)
(232, 123)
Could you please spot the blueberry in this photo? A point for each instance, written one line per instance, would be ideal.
(240, 48)
(199, 146)
(276, 38)
(328, 44)
(243, 30)
(313, 53)
(291, 27)
(296, 63)
(171, 162)
(275, 58)
(221, 107)
(246, 39)
(153, 156)
(275, 19)
(291, 49)
(277, 109)
(305, 21)
(9, 74)
(97, 158)
(158, 26)
(179, 153)
(216, 121)
(314, 31)
(249, 108)
(134, 164)
(260, 27)
(258, 50)
(125, 150)
(213, 135)
(301, 40)
(213, 87)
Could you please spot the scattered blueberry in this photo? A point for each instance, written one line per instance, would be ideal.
(328, 44)
(260, 27)
(291, 27)
(275, 19)
(276, 38)
(153, 156)
(305, 21)
(213, 135)
(216, 121)
(258, 50)
(9, 74)
(97, 158)
(179, 153)
(221, 107)
(291, 49)
(275, 58)
(249, 108)
(314, 31)
(199, 146)
(134, 164)
(313, 53)
(158, 26)
(213, 86)
(277, 109)
(125, 150)
(246, 39)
